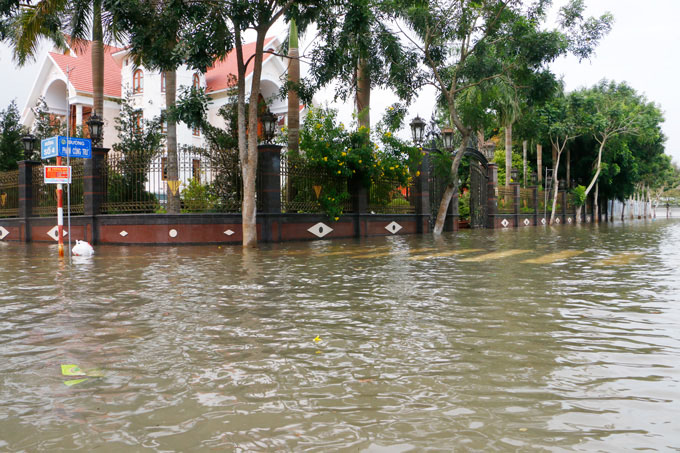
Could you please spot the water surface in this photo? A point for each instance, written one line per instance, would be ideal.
(556, 339)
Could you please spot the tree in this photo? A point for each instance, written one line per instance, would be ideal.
(11, 131)
(611, 110)
(293, 98)
(359, 48)
(165, 35)
(465, 44)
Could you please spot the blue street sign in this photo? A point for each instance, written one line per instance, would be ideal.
(58, 146)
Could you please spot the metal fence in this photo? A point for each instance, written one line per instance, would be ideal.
(45, 195)
(527, 201)
(506, 200)
(9, 193)
(209, 181)
(387, 196)
(303, 186)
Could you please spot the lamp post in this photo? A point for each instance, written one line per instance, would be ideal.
(447, 137)
(514, 175)
(418, 130)
(95, 125)
(268, 125)
(28, 141)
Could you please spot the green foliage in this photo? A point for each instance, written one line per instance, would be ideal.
(328, 145)
(579, 193)
(197, 197)
(11, 131)
(464, 205)
(45, 124)
(517, 162)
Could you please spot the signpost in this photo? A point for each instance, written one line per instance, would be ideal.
(59, 146)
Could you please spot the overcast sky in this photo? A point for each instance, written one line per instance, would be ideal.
(641, 50)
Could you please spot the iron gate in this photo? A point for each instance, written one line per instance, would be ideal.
(478, 198)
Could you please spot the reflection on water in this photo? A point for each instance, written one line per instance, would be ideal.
(533, 339)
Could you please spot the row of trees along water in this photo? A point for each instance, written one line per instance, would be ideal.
(488, 60)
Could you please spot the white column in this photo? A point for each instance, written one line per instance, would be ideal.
(79, 115)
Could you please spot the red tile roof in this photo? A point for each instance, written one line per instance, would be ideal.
(217, 76)
(81, 75)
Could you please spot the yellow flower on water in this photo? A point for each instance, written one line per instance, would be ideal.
(317, 339)
(325, 158)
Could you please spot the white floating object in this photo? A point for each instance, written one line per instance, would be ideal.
(54, 233)
(320, 230)
(82, 248)
(393, 227)
(3, 233)
(228, 232)
(173, 233)
(123, 233)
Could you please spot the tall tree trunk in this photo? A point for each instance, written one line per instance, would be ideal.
(568, 168)
(596, 204)
(508, 152)
(249, 208)
(241, 125)
(363, 95)
(173, 206)
(556, 161)
(451, 187)
(97, 58)
(293, 97)
(539, 163)
(623, 209)
(525, 144)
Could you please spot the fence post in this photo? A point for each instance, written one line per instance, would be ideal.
(269, 166)
(518, 201)
(421, 193)
(564, 206)
(492, 195)
(94, 185)
(535, 197)
(359, 193)
(26, 195)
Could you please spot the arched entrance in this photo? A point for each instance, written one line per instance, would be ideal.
(478, 187)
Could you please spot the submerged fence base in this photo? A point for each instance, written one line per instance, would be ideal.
(213, 228)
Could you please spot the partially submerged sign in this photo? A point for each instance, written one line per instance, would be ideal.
(57, 174)
(66, 147)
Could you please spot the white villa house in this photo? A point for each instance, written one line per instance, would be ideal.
(64, 81)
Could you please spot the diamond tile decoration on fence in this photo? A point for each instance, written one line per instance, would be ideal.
(393, 227)
(320, 230)
(123, 233)
(543, 221)
(54, 233)
(173, 233)
(527, 222)
(3, 233)
(229, 232)
(557, 220)
(568, 219)
(505, 223)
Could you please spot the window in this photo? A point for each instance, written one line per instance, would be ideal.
(138, 125)
(196, 132)
(196, 170)
(162, 82)
(138, 82)
(196, 81)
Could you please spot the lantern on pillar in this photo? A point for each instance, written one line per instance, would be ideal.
(447, 137)
(28, 141)
(96, 126)
(268, 125)
(417, 130)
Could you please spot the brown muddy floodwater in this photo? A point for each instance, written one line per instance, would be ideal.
(563, 339)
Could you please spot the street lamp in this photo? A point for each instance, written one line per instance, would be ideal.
(268, 125)
(417, 130)
(28, 141)
(95, 124)
(447, 137)
(514, 174)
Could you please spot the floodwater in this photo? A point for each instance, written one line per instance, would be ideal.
(539, 339)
